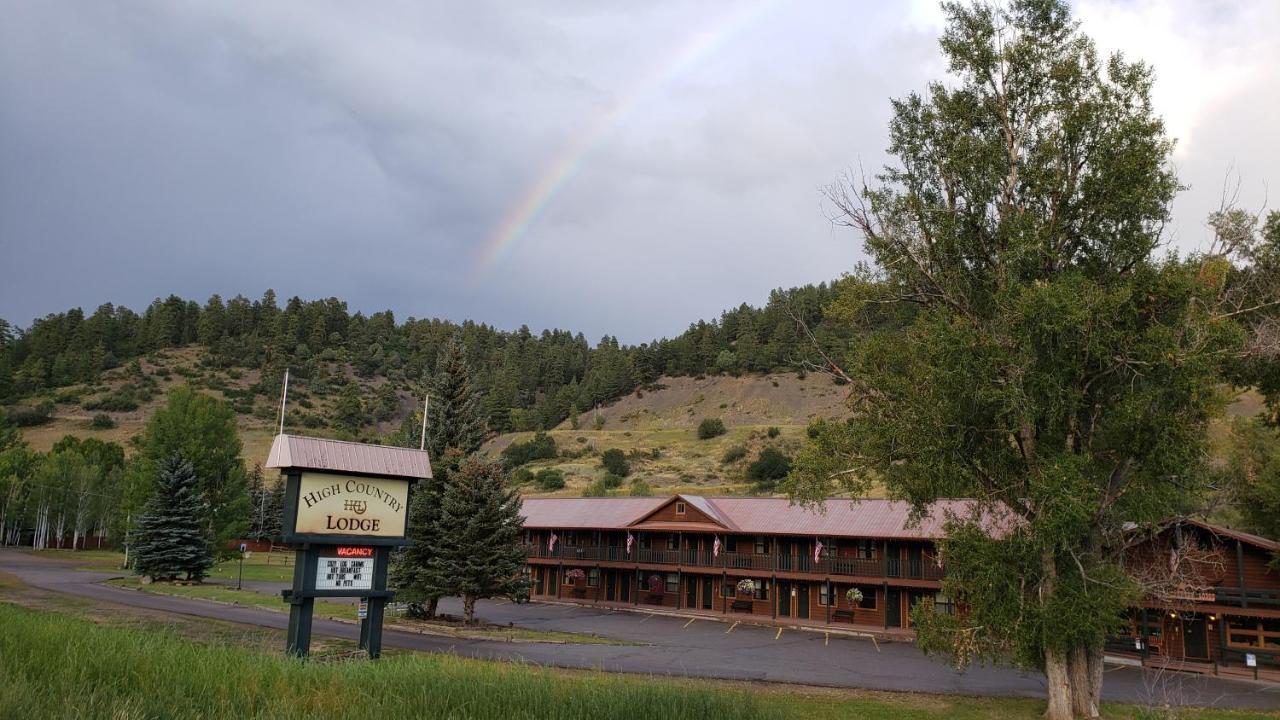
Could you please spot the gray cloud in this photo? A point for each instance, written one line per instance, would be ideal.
(329, 149)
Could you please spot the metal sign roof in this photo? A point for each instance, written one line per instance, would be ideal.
(306, 453)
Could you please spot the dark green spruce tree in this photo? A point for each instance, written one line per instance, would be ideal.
(170, 538)
(477, 554)
(455, 429)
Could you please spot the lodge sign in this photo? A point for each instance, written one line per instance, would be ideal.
(351, 505)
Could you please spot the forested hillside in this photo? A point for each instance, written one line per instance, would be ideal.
(353, 374)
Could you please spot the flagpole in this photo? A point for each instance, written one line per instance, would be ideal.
(426, 403)
(284, 396)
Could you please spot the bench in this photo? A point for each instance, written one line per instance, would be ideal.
(842, 615)
(579, 593)
(653, 599)
(742, 606)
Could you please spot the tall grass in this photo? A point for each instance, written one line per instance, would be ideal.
(58, 667)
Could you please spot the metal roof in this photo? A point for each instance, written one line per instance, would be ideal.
(595, 513)
(306, 453)
(1256, 540)
(869, 518)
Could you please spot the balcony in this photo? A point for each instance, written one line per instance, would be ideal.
(1246, 597)
(908, 569)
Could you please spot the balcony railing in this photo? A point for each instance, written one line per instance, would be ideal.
(1246, 597)
(911, 569)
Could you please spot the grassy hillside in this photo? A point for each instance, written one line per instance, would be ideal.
(657, 428)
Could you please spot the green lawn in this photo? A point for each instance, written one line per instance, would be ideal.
(57, 666)
(270, 567)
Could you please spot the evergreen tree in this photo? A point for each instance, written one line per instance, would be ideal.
(170, 539)
(478, 555)
(456, 428)
(455, 419)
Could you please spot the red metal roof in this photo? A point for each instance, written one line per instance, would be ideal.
(305, 453)
(594, 513)
(868, 518)
(1256, 540)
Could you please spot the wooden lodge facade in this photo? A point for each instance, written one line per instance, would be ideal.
(762, 558)
(749, 557)
(1215, 603)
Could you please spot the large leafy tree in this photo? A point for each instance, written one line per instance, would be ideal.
(477, 553)
(201, 429)
(1043, 357)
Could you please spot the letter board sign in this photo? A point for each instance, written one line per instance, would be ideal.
(344, 573)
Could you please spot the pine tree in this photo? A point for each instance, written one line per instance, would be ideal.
(456, 428)
(477, 551)
(455, 419)
(170, 537)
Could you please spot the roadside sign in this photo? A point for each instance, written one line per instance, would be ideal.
(243, 547)
(1250, 660)
(362, 611)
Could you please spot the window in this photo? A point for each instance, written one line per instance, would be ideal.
(943, 604)
(824, 594)
(866, 550)
(646, 542)
(1254, 633)
(730, 544)
(593, 577)
(762, 590)
(595, 538)
(762, 545)
(640, 584)
(528, 537)
(868, 598)
(673, 542)
(673, 583)
(728, 590)
(679, 508)
(570, 538)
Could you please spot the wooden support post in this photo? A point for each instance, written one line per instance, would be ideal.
(886, 606)
(679, 588)
(1146, 649)
(830, 599)
(1244, 599)
(773, 592)
(559, 580)
(724, 601)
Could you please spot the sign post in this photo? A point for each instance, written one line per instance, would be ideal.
(346, 506)
(240, 575)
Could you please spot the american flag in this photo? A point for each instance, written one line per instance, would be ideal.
(630, 540)
(817, 551)
(551, 542)
(715, 547)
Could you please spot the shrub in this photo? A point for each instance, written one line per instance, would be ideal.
(615, 462)
(771, 466)
(599, 422)
(521, 476)
(549, 479)
(774, 431)
(541, 447)
(102, 421)
(611, 481)
(597, 489)
(733, 454)
(710, 427)
(31, 415)
(122, 400)
(640, 488)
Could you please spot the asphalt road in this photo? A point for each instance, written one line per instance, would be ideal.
(674, 646)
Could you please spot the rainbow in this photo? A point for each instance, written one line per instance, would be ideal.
(517, 220)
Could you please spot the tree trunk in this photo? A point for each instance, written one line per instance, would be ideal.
(469, 608)
(1086, 680)
(432, 606)
(1056, 664)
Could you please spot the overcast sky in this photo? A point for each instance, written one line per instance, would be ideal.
(623, 168)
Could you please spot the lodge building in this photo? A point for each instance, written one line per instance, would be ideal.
(759, 557)
(763, 558)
